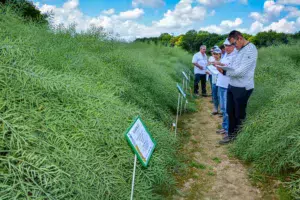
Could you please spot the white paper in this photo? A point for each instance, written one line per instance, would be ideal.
(141, 140)
(213, 69)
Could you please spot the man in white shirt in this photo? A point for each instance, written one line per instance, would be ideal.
(223, 82)
(200, 62)
(241, 83)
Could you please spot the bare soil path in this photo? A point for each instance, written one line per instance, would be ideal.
(212, 174)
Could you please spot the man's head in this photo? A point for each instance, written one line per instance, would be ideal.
(202, 49)
(236, 38)
(228, 47)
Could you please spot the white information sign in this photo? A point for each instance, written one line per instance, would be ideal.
(140, 141)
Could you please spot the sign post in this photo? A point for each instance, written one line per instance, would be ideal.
(142, 144)
(180, 93)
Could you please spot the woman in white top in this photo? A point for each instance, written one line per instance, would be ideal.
(217, 57)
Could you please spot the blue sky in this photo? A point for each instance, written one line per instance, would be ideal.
(144, 18)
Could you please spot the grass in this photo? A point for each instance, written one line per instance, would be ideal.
(66, 100)
(270, 138)
(197, 165)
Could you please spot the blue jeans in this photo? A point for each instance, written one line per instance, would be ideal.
(215, 96)
(210, 81)
(223, 105)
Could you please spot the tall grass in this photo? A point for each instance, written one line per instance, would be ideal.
(66, 100)
(271, 136)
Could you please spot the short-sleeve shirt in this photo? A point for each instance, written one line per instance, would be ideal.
(202, 61)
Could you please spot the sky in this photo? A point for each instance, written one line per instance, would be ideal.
(131, 19)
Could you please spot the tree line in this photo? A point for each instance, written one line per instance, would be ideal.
(192, 40)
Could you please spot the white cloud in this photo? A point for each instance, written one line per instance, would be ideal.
(225, 26)
(295, 2)
(212, 2)
(272, 11)
(212, 13)
(282, 26)
(148, 3)
(71, 4)
(256, 27)
(108, 12)
(293, 12)
(131, 14)
(244, 2)
(183, 15)
(231, 24)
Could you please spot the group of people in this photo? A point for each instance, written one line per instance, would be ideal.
(230, 71)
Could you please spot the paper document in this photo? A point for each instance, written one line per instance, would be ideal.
(213, 69)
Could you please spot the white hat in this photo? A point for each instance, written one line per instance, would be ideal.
(227, 42)
(217, 50)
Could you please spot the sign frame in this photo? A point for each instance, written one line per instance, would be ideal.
(185, 76)
(181, 91)
(145, 164)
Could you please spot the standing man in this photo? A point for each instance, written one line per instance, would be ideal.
(200, 62)
(241, 83)
(223, 82)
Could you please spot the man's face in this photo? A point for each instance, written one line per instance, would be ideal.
(203, 50)
(223, 50)
(236, 42)
(229, 48)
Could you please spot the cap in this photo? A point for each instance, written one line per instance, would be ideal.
(217, 50)
(226, 42)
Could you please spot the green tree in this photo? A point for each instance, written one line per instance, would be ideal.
(27, 10)
(165, 38)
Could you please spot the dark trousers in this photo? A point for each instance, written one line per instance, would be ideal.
(198, 78)
(237, 99)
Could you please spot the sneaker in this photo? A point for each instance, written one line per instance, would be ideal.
(196, 95)
(221, 131)
(226, 140)
(204, 95)
(214, 112)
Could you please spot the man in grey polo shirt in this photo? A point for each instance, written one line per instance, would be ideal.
(241, 83)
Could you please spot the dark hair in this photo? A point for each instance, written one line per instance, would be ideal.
(222, 46)
(234, 34)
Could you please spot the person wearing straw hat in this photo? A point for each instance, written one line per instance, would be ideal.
(241, 83)
(223, 82)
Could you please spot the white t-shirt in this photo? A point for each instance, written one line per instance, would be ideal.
(223, 81)
(202, 61)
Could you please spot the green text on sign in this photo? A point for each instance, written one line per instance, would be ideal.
(140, 141)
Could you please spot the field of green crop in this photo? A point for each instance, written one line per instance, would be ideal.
(271, 136)
(66, 100)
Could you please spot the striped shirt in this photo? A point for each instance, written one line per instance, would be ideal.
(243, 67)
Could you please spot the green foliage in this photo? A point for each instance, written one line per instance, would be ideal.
(270, 138)
(265, 39)
(26, 9)
(191, 41)
(65, 103)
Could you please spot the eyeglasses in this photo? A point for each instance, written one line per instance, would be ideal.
(234, 43)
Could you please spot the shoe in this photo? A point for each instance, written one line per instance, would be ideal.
(221, 131)
(214, 112)
(204, 95)
(226, 140)
(196, 95)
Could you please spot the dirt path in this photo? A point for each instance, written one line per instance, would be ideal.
(212, 174)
